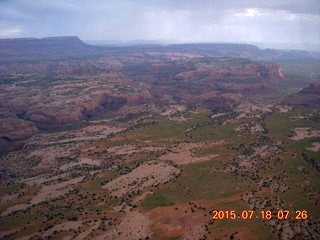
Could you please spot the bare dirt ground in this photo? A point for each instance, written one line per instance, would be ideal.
(123, 150)
(66, 226)
(93, 226)
(283, 108)
(42, 179)
(298, 117)
(134, 225)
(139, 198)
(196, 232)
(78, 230)
(248, 109)
(304, 132)
(146, 175)
(218, 115)
(81, 161)
(8, 198)
(139, 109)
(45, 152)
(173, 113)
(96, 130)
(40, 159)
(184, 153)
(182, 221)
(4, 233)
(47, 192)
(129, 149)
(253, 127)
(315, 147)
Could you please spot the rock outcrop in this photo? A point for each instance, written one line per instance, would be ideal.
(307, 97)
(208, 80)
(70, 67)
(12, 129)
(51, 82)
(54, 101)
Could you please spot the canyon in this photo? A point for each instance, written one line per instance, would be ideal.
(145, 141)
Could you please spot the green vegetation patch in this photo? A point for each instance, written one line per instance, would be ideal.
(198, 181)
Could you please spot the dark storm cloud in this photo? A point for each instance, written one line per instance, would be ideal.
(294, 21)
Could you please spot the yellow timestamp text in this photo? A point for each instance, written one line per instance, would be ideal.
(264, 214)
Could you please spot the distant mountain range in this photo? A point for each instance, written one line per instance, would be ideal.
(71, 47)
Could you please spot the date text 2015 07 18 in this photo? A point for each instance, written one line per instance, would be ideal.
(264, 214)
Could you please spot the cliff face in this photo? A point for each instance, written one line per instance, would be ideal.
(12, 129)
(206, 80)
(67, 91)
(45, 49)
(52, 82)
(23, 43)
(61, 67)
(53, 101)
(307, 97)
(71, 90)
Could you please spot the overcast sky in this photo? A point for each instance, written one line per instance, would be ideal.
(281, 21)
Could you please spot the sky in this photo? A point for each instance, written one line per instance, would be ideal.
(293, 22)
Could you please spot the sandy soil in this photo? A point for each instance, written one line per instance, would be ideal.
(172, 111)
(95, 131)
(179, 220)
(66, 226)
(55, 190)
(315, 147)
(252, 110)
(8, 198)
(139, 198)
(46, 193)
(86, 233)
(45, 152)
(304, 132)
(183, 153)
(42, 158)
(129, 149)
(196, 232)
(298, 117)
(4, 233)
(123, 150)
(218, 115)
(146, 175)
(42, 179)
(253, 127)
(81, 161)
(134, 226)
(256, 128)
(283, 108)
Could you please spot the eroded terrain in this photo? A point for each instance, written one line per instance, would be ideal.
(146, 145)
(110, 179)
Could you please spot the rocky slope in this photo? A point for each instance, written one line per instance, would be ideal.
(52, 48)
(39, 93)
(65, 67)
(30, 103)
(211, 81)
(75, 90)
(12, 129)
(307, 97)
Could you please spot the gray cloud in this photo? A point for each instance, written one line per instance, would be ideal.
(292, 21)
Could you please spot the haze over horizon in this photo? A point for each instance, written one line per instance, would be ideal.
(287, 23)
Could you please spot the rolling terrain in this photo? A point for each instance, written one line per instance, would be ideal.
(145, 142)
